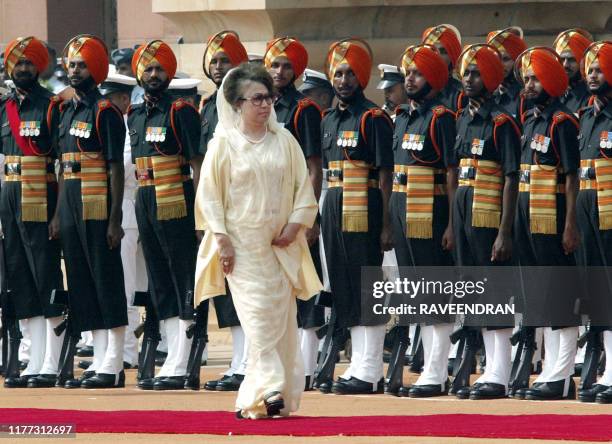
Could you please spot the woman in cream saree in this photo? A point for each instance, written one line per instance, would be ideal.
(250, 191)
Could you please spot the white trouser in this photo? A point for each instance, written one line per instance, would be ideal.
(367, 352)
(108, 350)
(163, 344)
(606, 378)
(53, 347)
(179, 346)
(239, 352)
(309, 344)
(436, 344)
(37, 332)
(134, 275)
(26, 341)
(551, 351)
(581, 352)
(498, 351)
(562, 365)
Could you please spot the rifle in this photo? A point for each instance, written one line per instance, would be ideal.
(71, 338)
(463, 371)
(198, 331)
(395, 371)
(335, 339)
(11, 334)
(417, 355)
(524, 338)
(592, 338)
(150, 329)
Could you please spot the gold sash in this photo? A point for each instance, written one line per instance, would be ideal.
(168, 182)
(34, 179)
(603, 184)
(487, 200)
(543, 199)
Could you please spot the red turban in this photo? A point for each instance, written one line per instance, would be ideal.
(509, 40)
(29, 48)
(547, 67)
(448, 36)
(94, 54)
(602, 53)
(290, 48)
(354, 52)
(429, 62)
(489, 63)
(575, 40)
(155, 51)
(229, 43)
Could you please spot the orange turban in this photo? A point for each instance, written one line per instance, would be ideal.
(229, 43)
(546, 66)
(29, 48)
(575, 40)
(601, 52)
(448, 36)
(489, 63)
(354, 52)
(154, 51)
(290, 48)
(509, 40)
(429, 62)
(94, 53)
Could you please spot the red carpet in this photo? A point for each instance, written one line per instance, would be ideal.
(556, 427)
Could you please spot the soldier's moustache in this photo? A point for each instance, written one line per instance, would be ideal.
(421, 93)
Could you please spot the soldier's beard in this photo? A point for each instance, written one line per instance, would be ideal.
(84, 85)
(156, 90)
(602, 90)
(25, 82)
(541, 98)
(420, 94)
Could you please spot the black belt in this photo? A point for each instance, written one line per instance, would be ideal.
(337, 176)
(402, 178)
(14, 169)
(148, 174)
(587, 173)
(71, 167)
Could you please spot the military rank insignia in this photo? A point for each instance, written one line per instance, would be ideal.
(413, 142)
(80, 129)
(478, 146)
(348, 139)
(29, 128)
(155, 134)
(539, 142)
(605, 140)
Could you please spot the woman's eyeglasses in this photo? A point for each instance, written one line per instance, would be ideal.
(259, 99)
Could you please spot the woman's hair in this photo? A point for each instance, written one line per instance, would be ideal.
(234, 83)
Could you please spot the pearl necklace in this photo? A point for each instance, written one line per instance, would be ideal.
(254, 142)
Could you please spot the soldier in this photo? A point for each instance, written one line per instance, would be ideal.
(488, 146)
(570, 46)
(286, 59)
(392, 84)
(425, 171)
(447, 39)
(164, 135)
(28, 207)
(316, 87)
(223, 52)
(593, 213)
(509, 42)
(547, 235)
(91, 140)
(118, 89)
(356, 142)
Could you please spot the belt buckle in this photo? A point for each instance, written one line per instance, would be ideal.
(467, 173)
(400, 178)
(144, 174)
(12, 169)
(68, 167)
(525, 176)
(334, 175)
(587, 173)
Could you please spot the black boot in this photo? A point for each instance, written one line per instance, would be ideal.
(488, 390)
(550, 391)
(589, 395)
(604, 397)
(147, 383)
(76, 383)
(170, 383)
(212, 385)
(325, 386)
(42, 381)
(464, 392)
(355, 386)
(85, 352)
(231, 384)
(428, 390)
(104, 380)
(17, 382)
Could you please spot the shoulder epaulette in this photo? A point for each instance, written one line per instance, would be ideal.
(55, 99)
(501, 118)
(438, 110)
(182, 103)
(103, 104)
(561, 116)
(377, 112)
